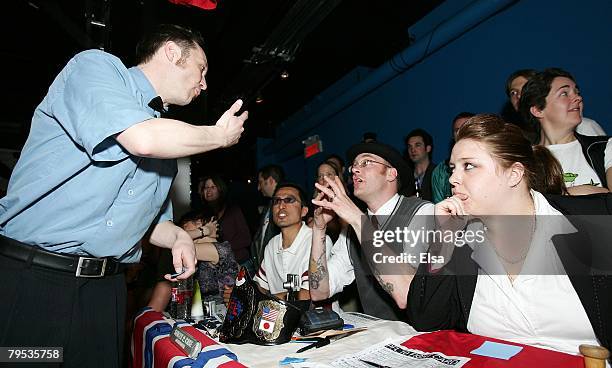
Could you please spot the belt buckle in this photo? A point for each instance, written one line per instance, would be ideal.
(80, 266)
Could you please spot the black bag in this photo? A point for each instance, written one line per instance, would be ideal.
(320, 319)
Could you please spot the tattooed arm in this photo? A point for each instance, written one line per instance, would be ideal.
(318, 274)
(329, 268)
(393, 276)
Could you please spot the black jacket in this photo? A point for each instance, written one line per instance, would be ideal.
(258, 244)
(443, 301)
(593, 148)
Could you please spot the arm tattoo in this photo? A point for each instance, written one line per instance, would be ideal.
(320, 273)
(387, 286)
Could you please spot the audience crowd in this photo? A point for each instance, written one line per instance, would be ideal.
(533, 159)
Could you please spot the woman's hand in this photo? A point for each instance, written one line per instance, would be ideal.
(450, 214)
(211, 228)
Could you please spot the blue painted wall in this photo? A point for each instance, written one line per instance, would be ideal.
(466, 75)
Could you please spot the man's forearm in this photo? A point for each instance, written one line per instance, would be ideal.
(394, 278)
(318, 274)
(165, 234)
(167, 139)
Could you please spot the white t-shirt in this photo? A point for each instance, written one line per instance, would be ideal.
(590, 127)
(278, 262)
(576, 169)
(543, 310)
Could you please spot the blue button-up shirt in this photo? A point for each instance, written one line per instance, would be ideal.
(75, 189)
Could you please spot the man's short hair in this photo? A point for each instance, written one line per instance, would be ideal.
(274, 171)
(184, 37)
(295, 186)
(525, 73)
(535, 91)
(427, 139)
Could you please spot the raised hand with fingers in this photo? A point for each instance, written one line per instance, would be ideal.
(232, 125)
(333, 197)
(322, 216)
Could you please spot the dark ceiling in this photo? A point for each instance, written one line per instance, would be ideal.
(315, 41)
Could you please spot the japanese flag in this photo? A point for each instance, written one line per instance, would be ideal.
(266, 325)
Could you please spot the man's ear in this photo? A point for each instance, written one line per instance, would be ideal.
(304, 211)
(392, 174)
(428, 148)
(172, 51)
(271, 181)
(516, 173)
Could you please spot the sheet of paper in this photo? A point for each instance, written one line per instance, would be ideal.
(358, 319)
(392, 355)
(497, 350)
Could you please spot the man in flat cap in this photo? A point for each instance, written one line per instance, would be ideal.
(378, 172)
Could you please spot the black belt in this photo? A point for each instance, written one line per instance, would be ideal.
(78, 265)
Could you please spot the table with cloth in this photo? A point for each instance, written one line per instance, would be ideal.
(151, 347)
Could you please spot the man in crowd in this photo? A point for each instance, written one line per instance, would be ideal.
(288, 252)
(92, 179)
(440, 186)
(378, 173)
(419, 148)
(268, 178)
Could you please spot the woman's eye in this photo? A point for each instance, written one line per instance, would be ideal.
(468, 166)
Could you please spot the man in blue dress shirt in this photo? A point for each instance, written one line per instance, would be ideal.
(92, 180)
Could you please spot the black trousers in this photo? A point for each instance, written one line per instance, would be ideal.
(49, 308)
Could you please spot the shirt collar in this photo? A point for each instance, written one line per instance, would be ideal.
(298, 239)
(542, 258)
(144, 86)
(387, 208)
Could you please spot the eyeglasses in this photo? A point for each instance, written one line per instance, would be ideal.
(287, 200)
(365, 163)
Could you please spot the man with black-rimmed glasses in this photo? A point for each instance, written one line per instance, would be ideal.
(378, 173)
